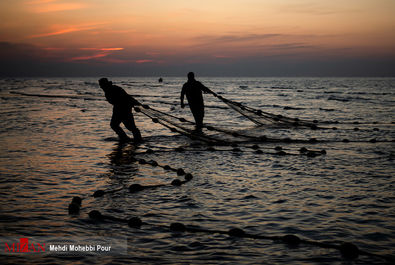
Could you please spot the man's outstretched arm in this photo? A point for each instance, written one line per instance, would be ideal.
(206, 89)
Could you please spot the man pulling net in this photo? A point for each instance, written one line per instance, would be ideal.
(122, 110)
(193, 90)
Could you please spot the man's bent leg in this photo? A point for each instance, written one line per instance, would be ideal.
(131, 126)
(115, 122)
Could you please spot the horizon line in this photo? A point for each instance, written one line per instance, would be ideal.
(202, 76)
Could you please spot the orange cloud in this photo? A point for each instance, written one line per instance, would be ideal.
(63, 31)
(89, 57)
(101, 49)
(111, 49)
(103, 53)
(144, 61)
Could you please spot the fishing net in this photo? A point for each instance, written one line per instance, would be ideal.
(269, 127)
(260, 117)
(210, 134)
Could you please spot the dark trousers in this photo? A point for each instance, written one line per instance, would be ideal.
(198, 113)
(125, 116)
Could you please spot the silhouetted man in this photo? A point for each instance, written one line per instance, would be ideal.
(122, 110)
(193, 90)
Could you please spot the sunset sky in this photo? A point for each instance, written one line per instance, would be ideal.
(213, 37)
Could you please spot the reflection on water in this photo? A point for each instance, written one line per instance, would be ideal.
(52, 149)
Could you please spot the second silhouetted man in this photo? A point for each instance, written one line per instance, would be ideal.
(193, 90)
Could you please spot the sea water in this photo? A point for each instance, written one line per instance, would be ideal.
(54, 148)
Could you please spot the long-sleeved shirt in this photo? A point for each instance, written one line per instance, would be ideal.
(118, 97)
(193, 91)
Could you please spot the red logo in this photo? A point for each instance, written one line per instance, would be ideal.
(24, 246)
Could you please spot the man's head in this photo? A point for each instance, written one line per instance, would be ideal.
(104, 83)
(191, 76)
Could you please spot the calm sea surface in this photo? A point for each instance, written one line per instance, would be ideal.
(54, 148)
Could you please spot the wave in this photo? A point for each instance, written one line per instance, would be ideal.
(339, 99)
(57, 96)
(326, 109)
(283, 87)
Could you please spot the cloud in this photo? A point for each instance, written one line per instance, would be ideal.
(111, 49)
(144, 61)
(103, 53)
(63, 31)
(232, 38)
(89, 57)
(246, 45)
(21, 59)
(298, 48)
(22, 51)
(234, 45)
(101, 49)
